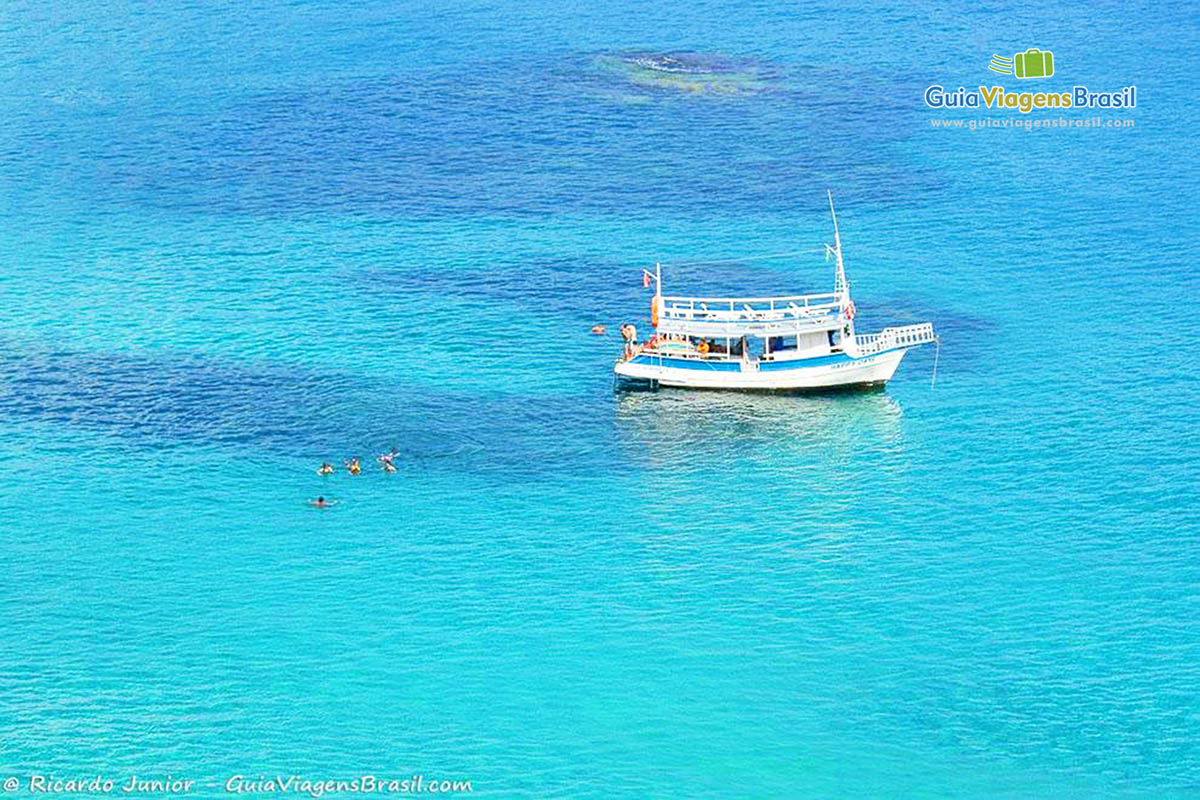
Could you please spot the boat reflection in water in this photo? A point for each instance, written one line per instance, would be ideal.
(772, 481)
(679, 429)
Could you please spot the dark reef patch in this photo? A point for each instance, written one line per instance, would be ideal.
(165, 400)
(709, 74)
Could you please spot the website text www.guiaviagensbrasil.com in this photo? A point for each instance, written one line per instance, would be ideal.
(1027, 124)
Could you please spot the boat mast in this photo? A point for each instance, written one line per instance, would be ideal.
(840, 285)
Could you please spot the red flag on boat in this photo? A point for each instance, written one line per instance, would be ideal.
(645, 279)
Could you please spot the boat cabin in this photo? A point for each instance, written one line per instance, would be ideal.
(762, 329)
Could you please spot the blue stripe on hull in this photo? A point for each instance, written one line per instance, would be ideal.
(804, 363)
(687, 363)
(765, 366)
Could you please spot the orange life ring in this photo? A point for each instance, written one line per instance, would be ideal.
(654, 311)
(702, 348)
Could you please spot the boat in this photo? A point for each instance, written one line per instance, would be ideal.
(786, 343)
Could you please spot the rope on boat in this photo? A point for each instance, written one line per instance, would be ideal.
(744, 259)
(936, 353)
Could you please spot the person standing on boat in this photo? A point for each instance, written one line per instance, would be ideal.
(629, 333)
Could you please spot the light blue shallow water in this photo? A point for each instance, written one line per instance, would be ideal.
(237, 242)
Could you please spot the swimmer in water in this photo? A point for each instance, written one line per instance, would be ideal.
(388, 466)
(354, 466)
(325, 469)
(321, 502)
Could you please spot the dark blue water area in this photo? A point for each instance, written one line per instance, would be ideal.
(557, 288)
(164, 399)
(517, 137)
(173, 400)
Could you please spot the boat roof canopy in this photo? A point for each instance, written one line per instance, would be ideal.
(749, 316)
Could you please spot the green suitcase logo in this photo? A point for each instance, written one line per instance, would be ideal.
(1033, 63)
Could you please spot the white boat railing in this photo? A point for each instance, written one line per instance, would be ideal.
(764, 309)
(890, 338)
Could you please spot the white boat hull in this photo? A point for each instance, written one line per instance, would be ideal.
(829, 373)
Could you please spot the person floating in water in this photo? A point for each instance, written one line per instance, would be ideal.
(387, 460)
(325, 469)
(354, 466)
(321, 502)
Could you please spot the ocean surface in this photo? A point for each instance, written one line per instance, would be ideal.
(237, 240)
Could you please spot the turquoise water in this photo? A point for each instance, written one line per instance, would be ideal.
(239, 241)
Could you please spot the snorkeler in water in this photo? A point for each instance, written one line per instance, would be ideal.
(325, 469)
(388, 466)
(354, 466)
(321, 502)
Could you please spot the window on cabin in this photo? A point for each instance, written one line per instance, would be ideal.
(779, 343)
